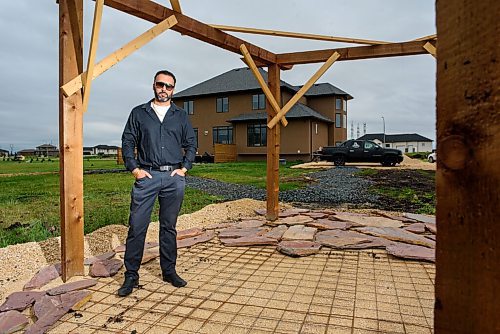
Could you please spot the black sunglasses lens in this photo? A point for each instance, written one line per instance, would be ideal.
(160, 85)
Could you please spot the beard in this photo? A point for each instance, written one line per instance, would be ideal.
(163, 98)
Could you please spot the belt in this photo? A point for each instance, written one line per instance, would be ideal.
(165, 168)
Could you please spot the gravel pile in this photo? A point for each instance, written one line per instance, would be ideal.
(333, 186)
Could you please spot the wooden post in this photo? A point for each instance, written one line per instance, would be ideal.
(468, 173)
(71, 138)
(273, 146)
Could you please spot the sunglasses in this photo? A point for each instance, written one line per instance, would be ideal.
(160, 85)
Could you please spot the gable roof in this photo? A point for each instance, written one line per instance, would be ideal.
(299, 110)
(397, 138)
(242, 79)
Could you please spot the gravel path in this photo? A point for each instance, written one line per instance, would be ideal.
(333, 186)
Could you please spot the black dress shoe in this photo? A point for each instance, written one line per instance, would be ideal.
(174, 279)
(128, 285)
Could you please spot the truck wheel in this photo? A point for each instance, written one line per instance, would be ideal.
(389, 161)
(339, 160)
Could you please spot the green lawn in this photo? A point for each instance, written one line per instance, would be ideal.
(52, 165)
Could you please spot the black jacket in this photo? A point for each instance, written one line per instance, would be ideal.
(158, 143)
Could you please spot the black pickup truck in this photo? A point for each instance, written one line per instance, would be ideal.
(360, 151)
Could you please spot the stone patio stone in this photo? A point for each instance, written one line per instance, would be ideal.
(188, 242)
(12, 321)
(294, 220)
(149, 244)
(44, 276)
(328, 224)
(72, 286)
(299, 232)
(431, 236)
(150, 254)
(189, 233)
(431, 227)
(249, 241)
(50, 309)
(420, 218)
(366, 220)
(412, 252)
(277, 232)
(341, 239)
(242, 232)
(299, 248)
(105, 256)
(21, 300)
(397, 234)
(416, 228)
(218, 226)
(250, 223)
(316, 215)
(105, 268)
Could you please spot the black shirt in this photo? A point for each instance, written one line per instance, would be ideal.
(158, 143)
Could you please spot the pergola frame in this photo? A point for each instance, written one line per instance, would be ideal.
(73, 103)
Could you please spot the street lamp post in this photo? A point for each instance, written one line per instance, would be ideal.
(383, 122)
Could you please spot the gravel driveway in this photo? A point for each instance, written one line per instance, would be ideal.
(333, 186)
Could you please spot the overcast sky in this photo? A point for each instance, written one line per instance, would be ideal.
(401, 89)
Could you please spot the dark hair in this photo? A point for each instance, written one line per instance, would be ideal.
(165, 72)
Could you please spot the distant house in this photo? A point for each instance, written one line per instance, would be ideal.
(105, 149)
(47, 150)
(408, 142)
(27, 152)
(88, 150)
(231, 109)
(4, 153)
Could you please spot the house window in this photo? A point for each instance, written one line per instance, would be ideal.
(338, 121)
(338, 104)
(344, 123)
(258, 101)
(189, 107)
(222, 134)
(222, 104)
(345, 106)
(196, 136)
(257, 135)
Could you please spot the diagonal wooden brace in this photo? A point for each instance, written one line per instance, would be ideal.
(176, 6)
(96, 27)
(429, 47)
(75, 84)
(262, 83)
(304, 89)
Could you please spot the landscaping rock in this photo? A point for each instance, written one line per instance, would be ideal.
(316, 215)
(150, 254)
(431, 236)
(67, 287)
(105, 256)
(261, 212)
(44, 276)
(149, 244)
(21, 300)
(249, 241)
(249, 223)
(397, 234)
(189, 233)
(105, 268)
(412, 252)
(188, 242)
(416, 228)
(242, 232)
(277, 232)
(219, 226)
(341, 239)
(294, 220)
(431, 227)
(364, 220)
(421, 218)
(328, 224)
(299, 232)
(12, 321)
(299, 248)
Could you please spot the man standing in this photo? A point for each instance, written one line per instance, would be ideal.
(165, 143)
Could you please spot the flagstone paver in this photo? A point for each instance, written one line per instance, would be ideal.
(105, 268)
(44, 276)
(328, 224)
(416, 228)
(365, 220)
(294, 220)
(397, 234)
(299, 248)
(242, 232)
(299, 232)
(67, 287)
(12, 321)
(189, 233)
(277, 232)
(188, 242)
(421, 218)
(413, 252)
(105, 256)
(20, 300)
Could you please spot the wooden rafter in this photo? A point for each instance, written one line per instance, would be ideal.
(96, 27)
(76, 83)
(176, 6)
(298, 35)
(353, 53)
(154, 12)
(262, 83)
(329, 62)
(426, 38)
(430, 48)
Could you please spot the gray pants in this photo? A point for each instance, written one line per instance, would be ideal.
(170, 192)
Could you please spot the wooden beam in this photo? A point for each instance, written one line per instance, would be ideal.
(430, 48)
(304, 89)
(298, 35)
(262, 83)
(176, 6)
(273, 148)
(71, 139)
(96, 27)
(468, 175)
(154, 12)
(353, 53)
(76, 83)
(426, 38)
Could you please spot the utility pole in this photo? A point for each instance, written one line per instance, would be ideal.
(364, 128)
(383, 122)
(352, 130)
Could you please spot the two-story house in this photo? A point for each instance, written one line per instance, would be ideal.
(231, 109)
